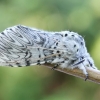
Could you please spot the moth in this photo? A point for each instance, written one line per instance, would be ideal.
(25, 46)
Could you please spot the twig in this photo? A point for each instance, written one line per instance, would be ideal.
(94, 75)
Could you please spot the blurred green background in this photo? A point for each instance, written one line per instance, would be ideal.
(38, 82)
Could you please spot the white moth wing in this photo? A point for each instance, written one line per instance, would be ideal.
(22, 46)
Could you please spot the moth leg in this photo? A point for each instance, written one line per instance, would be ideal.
(91, 63)
(87, 76)
(55, 66)
(81, 67)
(79, 62)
